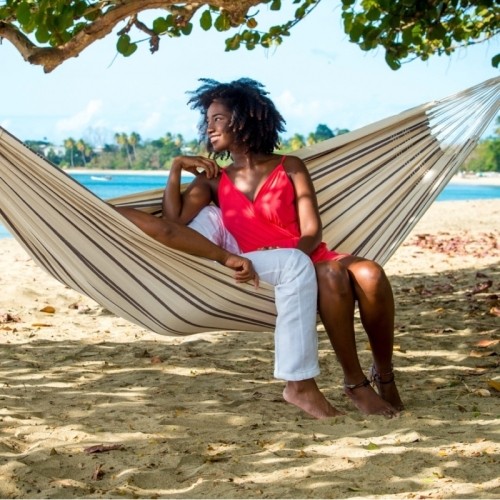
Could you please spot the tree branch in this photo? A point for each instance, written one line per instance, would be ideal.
(51, 57)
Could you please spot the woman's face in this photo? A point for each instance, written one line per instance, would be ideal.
(218, 130)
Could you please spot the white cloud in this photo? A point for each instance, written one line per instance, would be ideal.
(151, 122)
(287, 104)
(185, 122)
(290, 106)
(81, 120)
(351, 109)
(5, 124)
(303, 116)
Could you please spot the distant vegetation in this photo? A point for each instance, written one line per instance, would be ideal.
(130, 152)
(486, 155)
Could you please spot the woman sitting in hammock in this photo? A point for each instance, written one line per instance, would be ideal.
(292, 274)
(268, 201)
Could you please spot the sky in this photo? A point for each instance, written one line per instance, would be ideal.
(316, 76)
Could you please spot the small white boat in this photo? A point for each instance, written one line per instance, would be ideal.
(101, 177)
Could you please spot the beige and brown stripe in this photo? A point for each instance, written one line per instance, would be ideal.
(373, 185)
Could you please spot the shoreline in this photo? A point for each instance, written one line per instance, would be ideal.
(160, 173)
(476, 180)
(487, 179)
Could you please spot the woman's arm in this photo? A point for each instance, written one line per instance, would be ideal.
(306, 203)
(183, 207)
(187, 240)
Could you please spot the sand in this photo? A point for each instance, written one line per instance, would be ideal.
(92, 406)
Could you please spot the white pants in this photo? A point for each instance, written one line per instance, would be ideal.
(292, 274)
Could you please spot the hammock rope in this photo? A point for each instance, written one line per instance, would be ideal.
(373, 185)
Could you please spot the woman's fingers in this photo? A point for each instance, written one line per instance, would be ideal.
(243, 269)
(199, 164)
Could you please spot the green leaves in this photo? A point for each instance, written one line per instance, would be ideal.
(172, 26)
(161, 25)
(418, 29)
(206, 20)
(53, 21)
(233, 43)
(373, 14)
(275, 5)
(23, 13)
(405, 29)
(436, 32)
(42, 35)
(186, 29)
(356, 31)
(250, 37)
(392, 61)
(251, 23)
(222, 22)
(125, 46)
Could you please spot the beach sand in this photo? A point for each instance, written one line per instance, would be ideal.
(202, 417)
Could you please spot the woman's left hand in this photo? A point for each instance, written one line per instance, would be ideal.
(243, 269)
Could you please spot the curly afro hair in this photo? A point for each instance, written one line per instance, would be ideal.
(255, 121)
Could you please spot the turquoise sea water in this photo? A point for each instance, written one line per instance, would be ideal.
(122, 184)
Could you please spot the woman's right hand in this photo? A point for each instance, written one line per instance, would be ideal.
(196, 165)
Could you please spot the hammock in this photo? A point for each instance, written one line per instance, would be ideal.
(373, 185)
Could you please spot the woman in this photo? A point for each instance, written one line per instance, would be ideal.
(292, 274)
(268, 201)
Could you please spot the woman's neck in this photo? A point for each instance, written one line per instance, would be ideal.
(248, 159)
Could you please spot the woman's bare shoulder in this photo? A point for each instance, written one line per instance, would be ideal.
(293, 164)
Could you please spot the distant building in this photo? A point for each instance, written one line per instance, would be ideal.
(57, 150)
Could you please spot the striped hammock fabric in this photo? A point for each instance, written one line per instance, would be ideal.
(373, 185)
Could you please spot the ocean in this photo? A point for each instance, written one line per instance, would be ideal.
(121, 184)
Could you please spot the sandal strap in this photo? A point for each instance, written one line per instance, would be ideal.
(352, 387)
(377, 377)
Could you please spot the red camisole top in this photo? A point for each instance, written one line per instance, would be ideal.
(270, 220)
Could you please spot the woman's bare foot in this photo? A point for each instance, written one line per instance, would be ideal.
(386, 388)
(368, 401)
(306, 395)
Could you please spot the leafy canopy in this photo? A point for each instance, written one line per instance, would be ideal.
(420, 28)
(48, 32)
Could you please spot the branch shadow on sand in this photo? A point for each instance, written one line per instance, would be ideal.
(203, 418)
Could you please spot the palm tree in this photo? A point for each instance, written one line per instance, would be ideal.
(69, 144)
(179, 140)
(81, 146)
(122, 140)
(311, 139)
(134, 139)
(297, 142)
